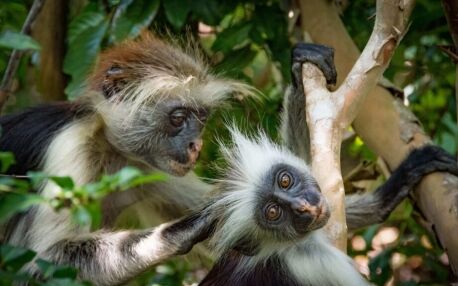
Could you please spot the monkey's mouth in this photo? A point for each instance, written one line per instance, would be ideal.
(321, 218)
(181, 169)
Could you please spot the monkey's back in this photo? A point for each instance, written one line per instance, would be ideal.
(28, 134)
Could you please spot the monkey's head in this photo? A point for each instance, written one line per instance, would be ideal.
(268, 197)
(154, 98)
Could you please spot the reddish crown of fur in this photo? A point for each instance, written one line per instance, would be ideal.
(145, 56)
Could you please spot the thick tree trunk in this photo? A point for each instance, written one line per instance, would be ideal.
(49, 30)
(388, 127)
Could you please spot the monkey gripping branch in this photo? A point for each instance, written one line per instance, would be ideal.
(329, 113)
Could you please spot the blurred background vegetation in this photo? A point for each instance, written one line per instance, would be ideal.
(251, 41)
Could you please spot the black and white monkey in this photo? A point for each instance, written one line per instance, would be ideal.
(145, 106)
(269, 209)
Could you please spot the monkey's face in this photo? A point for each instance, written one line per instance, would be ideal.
(290, 203)
(166, 136)
(267, 199)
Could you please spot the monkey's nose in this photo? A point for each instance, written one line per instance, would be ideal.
(195, 146)
(304, 207)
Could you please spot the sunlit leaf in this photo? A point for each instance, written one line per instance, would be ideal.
(231, 37)
(18, 41)
(82, 22)
(81, 56)
(63, 182)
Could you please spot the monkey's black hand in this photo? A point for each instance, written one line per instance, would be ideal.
(190, 230)
(321, 56)
(424, 161)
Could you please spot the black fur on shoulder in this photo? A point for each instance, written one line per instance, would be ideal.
(270, 273)
(29, 133)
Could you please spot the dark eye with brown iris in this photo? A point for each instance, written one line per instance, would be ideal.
(273, 212)
(178, 117)
(284, 180)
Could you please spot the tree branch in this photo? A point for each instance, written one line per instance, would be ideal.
(16, 55)
(389, 128)
(329, 113)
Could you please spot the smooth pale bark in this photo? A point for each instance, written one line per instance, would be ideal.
(388, 127)
(329, 113)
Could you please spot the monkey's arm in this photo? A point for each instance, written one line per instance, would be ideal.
(294, 130)
(367, 209)
(370, 208)
(110, 258)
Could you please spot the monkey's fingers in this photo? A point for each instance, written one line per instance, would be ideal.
(321, 56)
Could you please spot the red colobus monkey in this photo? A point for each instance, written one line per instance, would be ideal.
(146, 105)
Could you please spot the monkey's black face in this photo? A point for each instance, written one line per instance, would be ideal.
(166, 136)
(290, 204)
(179, 142)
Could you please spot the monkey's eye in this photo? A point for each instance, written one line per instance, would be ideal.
(284, 180)
(178, 117)
(272, 212)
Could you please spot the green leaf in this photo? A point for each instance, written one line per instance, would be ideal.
(37, 178)
(81, 56)
(18, 41)
(176, 11)
(10, 203)
(146, 179)
(49, 270)
(6, 160)
(13, 258)
(134, 16)
(64, 182)
(235, 61)
(81, 215)
(95, 211)
(212, 12)
(380, 270)
(64, 282)
(82, 22)
(126, 175)
(231, 37)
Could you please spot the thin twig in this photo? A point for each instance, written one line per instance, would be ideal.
(16, 55)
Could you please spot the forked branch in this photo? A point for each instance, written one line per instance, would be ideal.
(329, 113)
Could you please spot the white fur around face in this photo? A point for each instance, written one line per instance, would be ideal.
(317, 262)
(250, 160)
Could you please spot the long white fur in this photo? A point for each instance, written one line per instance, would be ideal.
(312, 260)
(249, 161)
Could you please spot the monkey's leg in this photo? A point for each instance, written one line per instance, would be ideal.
(108, 258)
(371, 208)
(294, 128)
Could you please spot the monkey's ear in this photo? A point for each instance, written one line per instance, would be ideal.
(114, 81)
